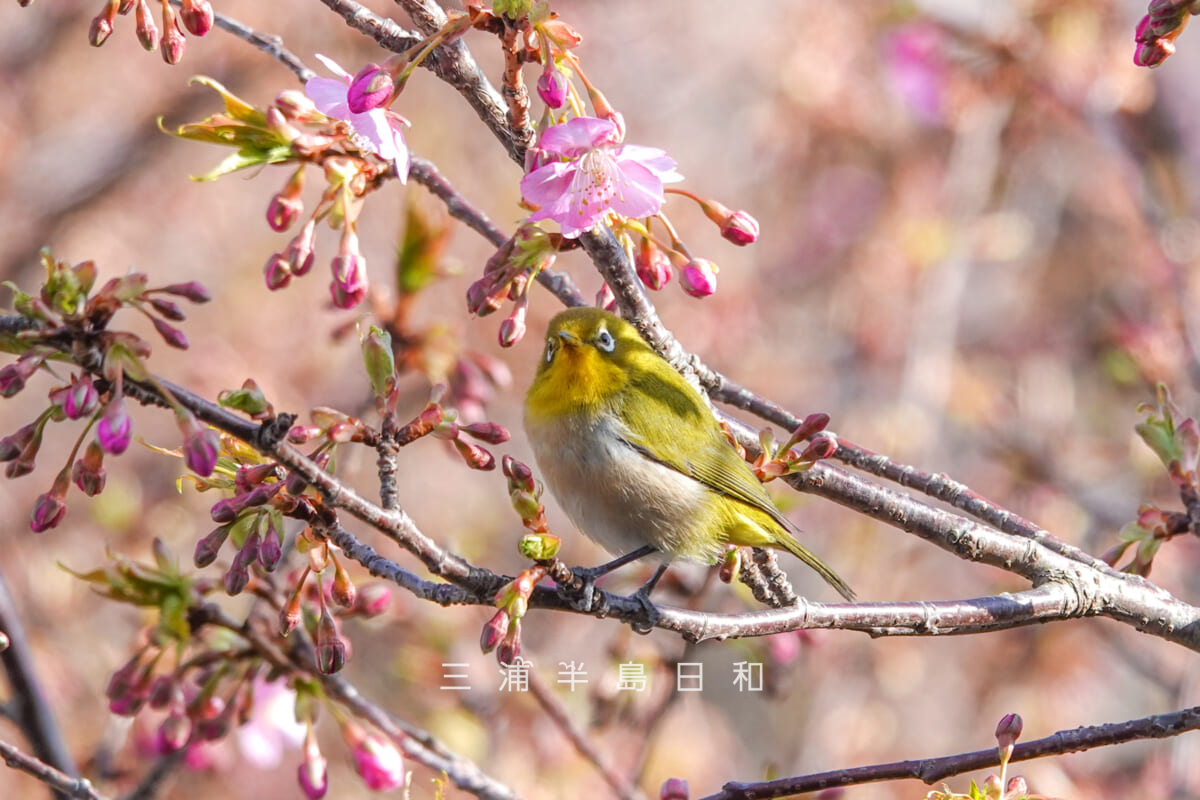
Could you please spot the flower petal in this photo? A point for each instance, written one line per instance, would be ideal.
(335, 68)
(652, 158)
(575, 137)
(547, 187)
(328, 95)
(639, 191)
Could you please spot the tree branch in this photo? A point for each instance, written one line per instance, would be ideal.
(63, 784)
(931, 770)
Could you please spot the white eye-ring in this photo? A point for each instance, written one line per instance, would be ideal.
(551, 346)
(605, 341)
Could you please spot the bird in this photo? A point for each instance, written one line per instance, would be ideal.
(635, 457)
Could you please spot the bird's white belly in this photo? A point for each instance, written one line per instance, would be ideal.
(618, 497)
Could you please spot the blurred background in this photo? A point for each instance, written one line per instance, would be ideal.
(978, 255)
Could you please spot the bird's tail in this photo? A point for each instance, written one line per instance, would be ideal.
(789, 543)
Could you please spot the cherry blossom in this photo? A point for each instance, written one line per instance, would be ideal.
(378, 130)
(595, 174)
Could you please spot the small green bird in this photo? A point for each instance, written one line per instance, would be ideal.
(634, 456)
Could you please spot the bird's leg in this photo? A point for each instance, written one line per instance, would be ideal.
(642, 595)
(581, 596)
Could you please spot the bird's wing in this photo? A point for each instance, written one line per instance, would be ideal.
(688, 439)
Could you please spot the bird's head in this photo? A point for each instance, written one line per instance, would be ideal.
(589, 356)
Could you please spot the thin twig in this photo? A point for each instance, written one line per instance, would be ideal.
(28, 707)
(154, 780)
(63, 784)
(931, 770)
(270, 44)
(557, 712)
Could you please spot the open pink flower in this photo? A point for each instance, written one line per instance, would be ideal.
(596, 174)
(378, 130)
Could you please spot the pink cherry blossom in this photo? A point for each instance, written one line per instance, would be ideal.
(272, 726)
(595, 174)
(378, 130)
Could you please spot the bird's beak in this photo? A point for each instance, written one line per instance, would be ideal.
(569, 338)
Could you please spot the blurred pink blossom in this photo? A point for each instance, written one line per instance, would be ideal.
(272, 727)
(596, 174)
(917, 70)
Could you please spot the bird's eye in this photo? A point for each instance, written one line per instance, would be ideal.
(605, 341)
(551, 346)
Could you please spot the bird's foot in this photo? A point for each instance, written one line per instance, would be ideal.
(650, 613)
(581, 593)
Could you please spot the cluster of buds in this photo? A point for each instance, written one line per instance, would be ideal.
(442, 424)
(66, 307)
(1157, 31)
(194, 16)
(507, 277)
(328, 602)
(775, 460)
(502, 632)
(525, 495)
(1175, 439)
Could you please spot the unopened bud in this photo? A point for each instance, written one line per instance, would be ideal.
(172, 42)
(653, 266)
(699, 277)
(371, 88)
(552, 86)
(342, 592)
(147, 31)
(674, 789)
(494, 631)
(474, 455)
(208, 548)
(488, 432)
(277, 272)
(197, 16)
(331, 650)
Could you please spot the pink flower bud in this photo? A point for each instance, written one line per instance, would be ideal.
(674, 789)
(201, 446)
(271, 549)
(209, 547)
(374, 599)
(342, 592)
(147, 31)
(197, 16)
(371, 88)
(172, 43)
(115, 429)
(349, 285)
(102, 24)
(494, 631)
(699, 277)
(331, 650)
(552, 86)
(291, 614)
(236, 579)
(277, 272)
(283, 211)
(378, 763)
(48, 511)
(488, 432)
(88, 473)
(299, 252)
(653, 266)
(1008, 730)
(512, 329)
(474, 455)
(189, 291)
(172, 734)
(313, 775)
(740, 228)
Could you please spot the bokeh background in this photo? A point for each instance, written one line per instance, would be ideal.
(978, 256)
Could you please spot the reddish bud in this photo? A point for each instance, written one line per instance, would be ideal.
(342, 592)
(552, 86)
(16, 442)
(349, 285)
(674, 789)
(191, 290)
(277, 272)
(48, 511)
(313, 774)
(373, 599)
(88, 472)
(494, 631)
(475, 456)
(172, 734)
(740, 228)
(1008, 730)
(170, 334)
(699, 277)
(172, 42)
(510, 649)
(488, 432)
(209, 547)
(115, 429)
(653, 266)
(299, 252)
(197, 16)
(147, 31)
(201, 446)
(291, 614)
(378, 763)
(102, 24)
(606, 299)
(331, 650)
(371, 88)
(562, 33)
(236, 578)
(271, 549)
(283, 211)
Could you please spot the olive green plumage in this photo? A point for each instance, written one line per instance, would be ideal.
(634, 455)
